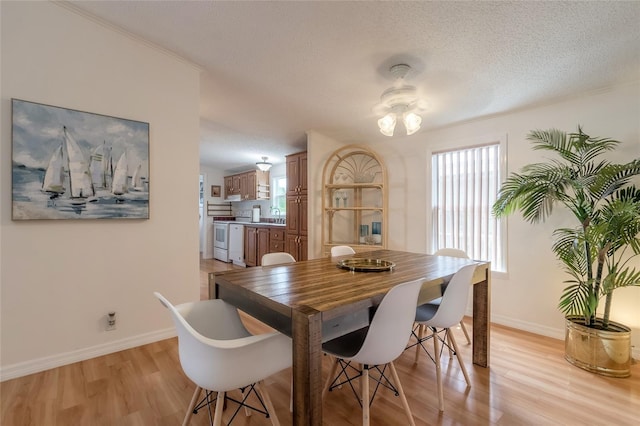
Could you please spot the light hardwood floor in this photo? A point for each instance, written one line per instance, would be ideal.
(529, 383)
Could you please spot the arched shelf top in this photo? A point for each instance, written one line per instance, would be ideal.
(354, 164)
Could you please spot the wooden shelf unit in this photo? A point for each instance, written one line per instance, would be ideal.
(354, 195)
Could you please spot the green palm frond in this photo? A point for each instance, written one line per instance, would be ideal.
(576, 299)
(568, 247)
(533, 192)
(625, 278)
(612, 177)
(553, 140)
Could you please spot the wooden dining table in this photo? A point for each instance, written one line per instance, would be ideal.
(297, 298)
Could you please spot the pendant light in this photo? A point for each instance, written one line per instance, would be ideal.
(264, 165)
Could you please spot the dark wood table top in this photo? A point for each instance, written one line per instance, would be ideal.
(321, 286)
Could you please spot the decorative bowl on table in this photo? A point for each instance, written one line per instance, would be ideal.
(366, 265)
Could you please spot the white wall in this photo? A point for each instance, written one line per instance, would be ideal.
(528, 296)
(211, 177)
(60, 278)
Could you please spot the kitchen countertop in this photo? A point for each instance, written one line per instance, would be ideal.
(279, 225)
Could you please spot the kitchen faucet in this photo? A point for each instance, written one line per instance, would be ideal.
(278, 218)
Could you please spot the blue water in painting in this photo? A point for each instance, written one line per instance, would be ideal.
(29, 202)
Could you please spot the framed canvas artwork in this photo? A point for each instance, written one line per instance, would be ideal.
(69, 164)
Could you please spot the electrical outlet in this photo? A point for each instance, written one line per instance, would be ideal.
(111, 321)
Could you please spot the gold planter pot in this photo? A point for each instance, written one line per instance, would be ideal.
(605, 352)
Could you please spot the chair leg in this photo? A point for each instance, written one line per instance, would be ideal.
(364, 389)
(403, 398)
(448, 342)
(420, 337)
(267, 403)
(192, 405)
(247, 410)
(466, 334)
(332, 373)
(217, 417)
(436, 349)
(460, 361)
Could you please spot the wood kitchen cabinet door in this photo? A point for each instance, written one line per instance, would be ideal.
(250, 246)
(291, 245)
(302, 216)
(297, 174)
(228, 186)
(251, 186)
(263, 244)
(293, 215)
(236, 184)
(244, 186)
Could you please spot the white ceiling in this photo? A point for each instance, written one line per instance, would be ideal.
(273, 70)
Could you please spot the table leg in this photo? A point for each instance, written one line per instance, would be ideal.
(481, 320)
(307, 367)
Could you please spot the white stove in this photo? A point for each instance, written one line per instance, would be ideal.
(228, 241)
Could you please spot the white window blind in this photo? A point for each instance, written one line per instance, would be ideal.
(464, 187)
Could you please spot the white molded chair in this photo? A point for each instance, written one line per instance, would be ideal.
(376, 346)
(443, 317)
(278, 258)
(341, 251)
(452, 252)
(218, 354)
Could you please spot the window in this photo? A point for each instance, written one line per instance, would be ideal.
(465, 182)
(279, 194)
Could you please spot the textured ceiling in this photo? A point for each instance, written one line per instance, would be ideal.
(273, 70)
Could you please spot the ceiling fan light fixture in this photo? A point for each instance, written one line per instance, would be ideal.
(411, 122)
(401, 100)
(387, 124)
(264, 165)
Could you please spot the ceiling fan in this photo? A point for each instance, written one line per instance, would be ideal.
(400, 101)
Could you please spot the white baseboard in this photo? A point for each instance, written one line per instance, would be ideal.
(36, 365)
(555, 333)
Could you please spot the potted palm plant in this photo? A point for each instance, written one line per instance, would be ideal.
(598, 252)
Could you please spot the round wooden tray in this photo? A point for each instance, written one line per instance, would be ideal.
(366, 265)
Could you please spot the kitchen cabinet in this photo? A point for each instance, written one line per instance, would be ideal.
(228, 186)
(297, 206)
(250, 245)
(244, 189)
(236, 184)
(251, 185)
(354, 200)
(260, 240)
(297, 174)
(276, 240)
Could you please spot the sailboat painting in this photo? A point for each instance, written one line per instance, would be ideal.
(69, 164)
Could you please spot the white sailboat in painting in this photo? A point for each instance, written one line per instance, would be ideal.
(120, 185)
(53, 183)
(80, 184)
(99, 166)
(136, 179)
